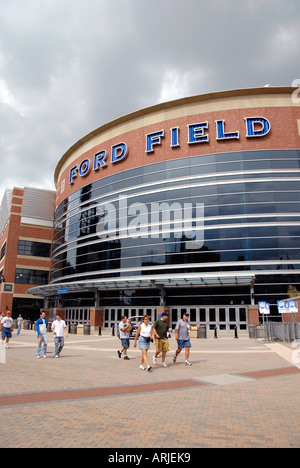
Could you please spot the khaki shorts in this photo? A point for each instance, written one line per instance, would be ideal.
(162, 346)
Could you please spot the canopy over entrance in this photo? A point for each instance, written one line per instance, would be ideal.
(144, 282)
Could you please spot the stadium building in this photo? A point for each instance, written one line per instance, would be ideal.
(191, 205)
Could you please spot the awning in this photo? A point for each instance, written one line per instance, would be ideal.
(190, 280)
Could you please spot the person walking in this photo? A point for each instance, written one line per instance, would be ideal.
(182, 336)
(7, 328)
(19, 323)
(41, 329)
(124, 332)
(160, 335)
(143, 334)
(58, 328)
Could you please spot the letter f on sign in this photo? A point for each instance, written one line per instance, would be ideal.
(153, 139)
(73, 173)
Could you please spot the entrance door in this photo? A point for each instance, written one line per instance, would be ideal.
(112, 315)
(225, 318)
(75, 315)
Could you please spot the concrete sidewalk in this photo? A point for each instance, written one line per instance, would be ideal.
(237, 393)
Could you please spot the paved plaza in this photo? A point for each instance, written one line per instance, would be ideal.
(237, 393)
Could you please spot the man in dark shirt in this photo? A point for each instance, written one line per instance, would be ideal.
(159, 334)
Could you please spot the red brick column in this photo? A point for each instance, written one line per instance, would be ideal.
(96, 317)
(253, 315)
(162, 309)
(62, 313)
(289, 317)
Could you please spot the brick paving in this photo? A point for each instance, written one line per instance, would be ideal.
(237, 393)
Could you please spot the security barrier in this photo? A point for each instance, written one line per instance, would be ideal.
(276, 331)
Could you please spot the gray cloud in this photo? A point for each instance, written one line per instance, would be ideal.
(67, 67)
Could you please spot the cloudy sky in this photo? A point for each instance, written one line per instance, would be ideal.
(69, 66)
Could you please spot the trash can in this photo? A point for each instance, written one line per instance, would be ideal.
(194, 332)
(252, 331)
(86, 329)
(202, 331)
(49, 326)
(73, 329)
(260, 331)
(26, 324)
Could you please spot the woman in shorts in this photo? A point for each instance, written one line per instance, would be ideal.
(144, 334)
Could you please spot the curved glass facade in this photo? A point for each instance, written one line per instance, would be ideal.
(222, 212)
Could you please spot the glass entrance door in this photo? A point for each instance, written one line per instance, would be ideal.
(225, 318)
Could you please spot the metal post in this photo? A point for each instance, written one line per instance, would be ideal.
(294, 322)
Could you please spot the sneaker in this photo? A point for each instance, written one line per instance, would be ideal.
(119, 354)
(174, 358)
(154, 359)
(126, 358)
(56, 356)
(38, 357)
(164, 364)
(44, 357)
(149, 368)
(188, 363)
(142, 367)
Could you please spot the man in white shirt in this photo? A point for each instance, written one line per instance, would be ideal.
(7, 327)
(58, 328)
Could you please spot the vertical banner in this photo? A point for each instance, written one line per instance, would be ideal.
(264, 308)
(292, 306)
(282, 307)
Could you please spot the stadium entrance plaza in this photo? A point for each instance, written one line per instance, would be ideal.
(237, 393)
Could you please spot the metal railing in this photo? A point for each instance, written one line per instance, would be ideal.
(275, 331)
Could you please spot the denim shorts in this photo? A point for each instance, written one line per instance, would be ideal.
(143, 344)
(184, 344)
(125, 343)
(6, 332)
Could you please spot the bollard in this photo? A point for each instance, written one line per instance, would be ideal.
(113, 331)
(235, 332)
(99, 330)
(216, 333)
